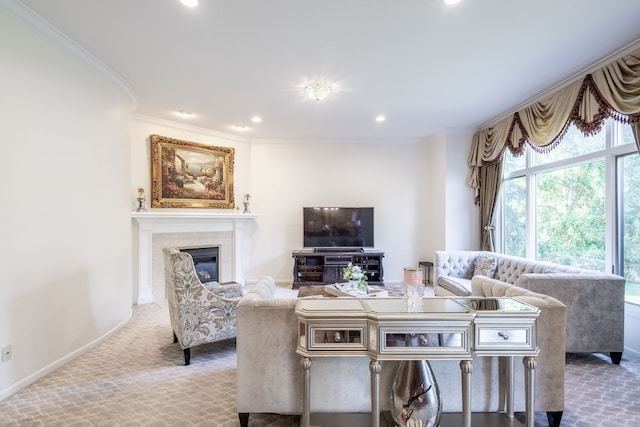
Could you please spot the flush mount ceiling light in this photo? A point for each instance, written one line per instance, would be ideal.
(318, 90)
(189, 3)
(451, 1)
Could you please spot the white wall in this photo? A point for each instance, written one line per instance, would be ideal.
(461, 222)
(288, 176)
(64, 223)
(436, 186)
(452, 217)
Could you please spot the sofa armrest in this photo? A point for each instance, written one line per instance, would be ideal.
(550, 337)
(595, 307)
(227, 291)
(268, 376)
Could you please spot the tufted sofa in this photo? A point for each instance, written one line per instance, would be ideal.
(595, 300)
(269, 374)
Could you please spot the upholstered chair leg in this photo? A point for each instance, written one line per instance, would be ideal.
(554, 418)
(616, 357)
(244, 419)
(187, 356)
(175, 338)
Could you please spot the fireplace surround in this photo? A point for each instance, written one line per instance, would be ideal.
(153, 231)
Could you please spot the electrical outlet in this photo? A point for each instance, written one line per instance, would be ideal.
(6, 353)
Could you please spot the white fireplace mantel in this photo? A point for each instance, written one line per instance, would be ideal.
(150, 223)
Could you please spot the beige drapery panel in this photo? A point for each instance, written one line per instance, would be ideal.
(612, 91)
(491, 177)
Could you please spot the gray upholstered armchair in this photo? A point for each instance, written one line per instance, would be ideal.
(200, 312)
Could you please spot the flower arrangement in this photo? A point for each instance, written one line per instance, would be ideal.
(356, 274)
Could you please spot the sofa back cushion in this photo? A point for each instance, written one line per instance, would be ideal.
(457, 263)
(511, 268)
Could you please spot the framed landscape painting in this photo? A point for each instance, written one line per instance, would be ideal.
(190, 175)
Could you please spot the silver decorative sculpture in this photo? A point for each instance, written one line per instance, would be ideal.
(415, 396)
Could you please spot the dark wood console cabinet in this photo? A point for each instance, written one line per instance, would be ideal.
(312, 267)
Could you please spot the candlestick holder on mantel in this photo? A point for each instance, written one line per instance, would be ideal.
(245, 202)
(141, 199)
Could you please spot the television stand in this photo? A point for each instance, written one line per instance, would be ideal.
(311, 267)
(334, 249)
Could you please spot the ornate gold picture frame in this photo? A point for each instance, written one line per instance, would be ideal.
(190, 175)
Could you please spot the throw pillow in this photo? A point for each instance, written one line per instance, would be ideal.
(485, 266)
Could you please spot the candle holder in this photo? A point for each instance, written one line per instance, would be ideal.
(413, 289)
(141, 199)
(245, 202)
(141, 207)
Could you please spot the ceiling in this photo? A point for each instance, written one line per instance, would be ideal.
(426, 66)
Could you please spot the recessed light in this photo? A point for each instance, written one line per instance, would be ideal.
(189, 3)
(240, 128)
(451, 1)
(380, 118)
(256, 119)
(185, 113)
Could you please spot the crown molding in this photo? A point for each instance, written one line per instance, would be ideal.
(29, 17)
(190, 128)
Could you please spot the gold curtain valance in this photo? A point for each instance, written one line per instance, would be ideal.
(613, 91)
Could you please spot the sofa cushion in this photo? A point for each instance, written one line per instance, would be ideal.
(262, 289)
(485, 266)
(285, 293)
(456, 285)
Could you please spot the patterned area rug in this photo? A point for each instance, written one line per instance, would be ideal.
(137, 377)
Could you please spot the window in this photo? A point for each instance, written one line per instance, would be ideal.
(576, 205)
(570, 216)
(629, 220)
(514, 208)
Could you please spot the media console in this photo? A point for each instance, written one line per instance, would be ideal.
(321, 267)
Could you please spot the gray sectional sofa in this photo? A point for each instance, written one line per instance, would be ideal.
(269, 375)
(594, 300)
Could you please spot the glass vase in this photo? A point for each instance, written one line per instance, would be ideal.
(352, 285)
(415, 396)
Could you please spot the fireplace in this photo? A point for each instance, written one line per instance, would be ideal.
(230, 232)
(205, 260)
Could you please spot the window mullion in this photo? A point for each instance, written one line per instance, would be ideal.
(531, 225)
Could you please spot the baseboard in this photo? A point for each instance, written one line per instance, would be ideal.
(30, 379)
(630, 353)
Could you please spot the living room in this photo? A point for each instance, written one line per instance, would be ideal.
(77, 151)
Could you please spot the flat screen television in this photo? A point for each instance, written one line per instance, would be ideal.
(331, 227)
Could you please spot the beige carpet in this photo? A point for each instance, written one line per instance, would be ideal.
(138, 378)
